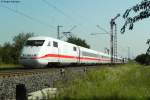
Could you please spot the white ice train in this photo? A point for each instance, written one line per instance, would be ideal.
(42, 51)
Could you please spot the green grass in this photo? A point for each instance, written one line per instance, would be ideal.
(124, 82)
(9, 66)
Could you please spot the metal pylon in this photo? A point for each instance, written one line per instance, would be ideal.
(115, 43)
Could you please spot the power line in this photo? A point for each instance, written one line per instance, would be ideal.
(57, 9)
(106, 32)
(60, 11)
(72, 28)
(27, 16)
(47, 2)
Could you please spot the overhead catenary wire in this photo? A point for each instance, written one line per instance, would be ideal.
(106, 32)
(61, 11)
(27, 16)
(99, 27)
(72, 28)
(57, 9)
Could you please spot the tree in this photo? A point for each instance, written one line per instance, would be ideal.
(148, 50)
(78, 41)
(7, 53)
(143, 10)
(143, 59)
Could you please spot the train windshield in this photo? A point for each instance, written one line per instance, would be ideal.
(34, 43)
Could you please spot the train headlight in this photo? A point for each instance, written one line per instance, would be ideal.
(22, 55)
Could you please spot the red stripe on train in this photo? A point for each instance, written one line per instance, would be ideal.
(70, 57)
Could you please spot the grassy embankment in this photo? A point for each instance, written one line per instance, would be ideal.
(9, 66)
(124, 82)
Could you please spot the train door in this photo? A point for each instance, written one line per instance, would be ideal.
(78, 55)
(55, 51)
(47, 50)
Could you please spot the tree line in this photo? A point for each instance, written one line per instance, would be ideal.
(10, 52)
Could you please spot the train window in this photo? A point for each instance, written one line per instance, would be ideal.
(49, 44)
(34, 43)
(74, 49)
(55, 44)
(89, 54)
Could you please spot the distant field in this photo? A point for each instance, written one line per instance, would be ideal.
(124, 82)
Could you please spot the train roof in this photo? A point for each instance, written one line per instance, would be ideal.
(41, 38)
(48, 38)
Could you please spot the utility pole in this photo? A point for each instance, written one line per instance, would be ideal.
(115, 43)
(58, 31)
(112, 24)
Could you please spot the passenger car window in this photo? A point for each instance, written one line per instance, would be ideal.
(55, 44)
(74, 49)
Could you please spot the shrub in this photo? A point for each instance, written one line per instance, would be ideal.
(143, 59)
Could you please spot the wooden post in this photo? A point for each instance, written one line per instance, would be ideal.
(21, 92)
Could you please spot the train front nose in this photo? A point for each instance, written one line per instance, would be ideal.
(30, 51)
(32, 63)
(29, 61)
(27, 57)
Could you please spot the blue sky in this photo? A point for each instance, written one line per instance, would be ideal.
(85, 14)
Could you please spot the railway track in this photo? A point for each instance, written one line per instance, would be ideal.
(23, 72)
